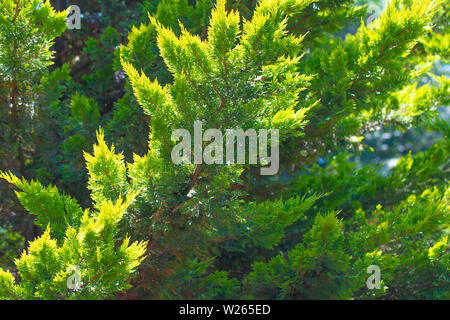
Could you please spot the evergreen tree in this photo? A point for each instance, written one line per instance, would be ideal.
(225, 231)
(27, 31)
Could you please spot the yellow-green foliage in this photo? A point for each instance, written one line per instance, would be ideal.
(223, 231)
(104, 260)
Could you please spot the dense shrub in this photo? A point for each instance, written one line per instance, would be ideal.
(313, 70)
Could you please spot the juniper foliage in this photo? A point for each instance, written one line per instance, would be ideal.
(315, 71)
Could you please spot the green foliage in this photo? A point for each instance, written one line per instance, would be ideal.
(9, 241)
(316, 269)
(315, 71)
(27, 31)
(50, 207)
(331, 261)
(104, 261)
(107, 172)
